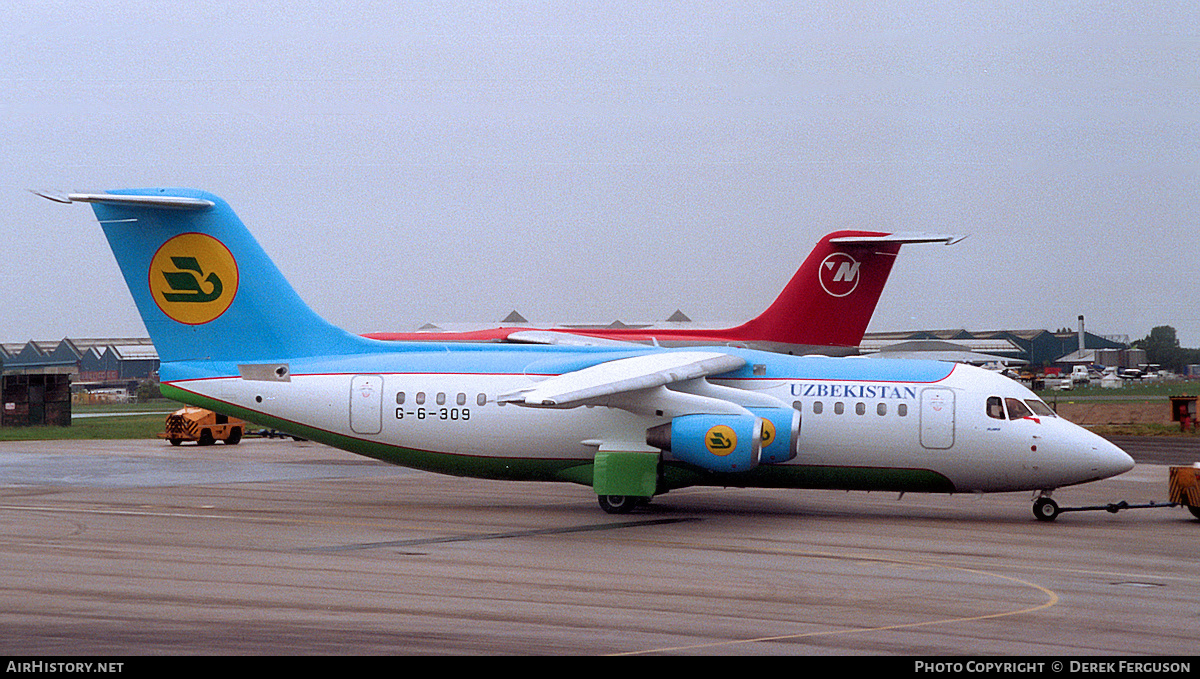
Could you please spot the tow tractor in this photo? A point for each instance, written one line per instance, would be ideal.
(202, 426)
(1184, 491)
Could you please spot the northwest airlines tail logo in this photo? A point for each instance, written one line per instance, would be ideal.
(839, 274)
(193, 278)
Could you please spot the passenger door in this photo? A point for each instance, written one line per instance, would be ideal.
(937, 418)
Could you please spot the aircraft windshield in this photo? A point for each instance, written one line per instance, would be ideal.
(1017, 409)
(1039, 408)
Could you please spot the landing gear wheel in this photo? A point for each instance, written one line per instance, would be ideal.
(618, 504)
(1045, 509)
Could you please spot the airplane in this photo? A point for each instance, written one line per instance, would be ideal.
(632, 421)
(823, 309)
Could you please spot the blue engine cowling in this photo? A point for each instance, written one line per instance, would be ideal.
(718, 443)
(781, 434)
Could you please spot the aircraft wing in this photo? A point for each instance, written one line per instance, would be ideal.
(592, 386)
(667, 384)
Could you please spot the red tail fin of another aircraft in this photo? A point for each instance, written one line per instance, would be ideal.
(825, 308)
(830, 299)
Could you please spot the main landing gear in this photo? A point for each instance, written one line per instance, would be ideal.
(621, 504)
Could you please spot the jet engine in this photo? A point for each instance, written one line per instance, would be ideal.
(781, 434)
(718, 443)
(730, 443)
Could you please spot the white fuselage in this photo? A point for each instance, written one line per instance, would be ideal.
(934, 426)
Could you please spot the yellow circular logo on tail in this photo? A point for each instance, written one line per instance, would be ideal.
(720, 440)
(193, 278)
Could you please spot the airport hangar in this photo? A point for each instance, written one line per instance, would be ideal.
(37, 379)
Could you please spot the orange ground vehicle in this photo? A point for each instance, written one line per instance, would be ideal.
(202, 426)
(1185, 487)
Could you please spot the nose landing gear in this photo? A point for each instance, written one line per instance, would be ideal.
(1045, 508)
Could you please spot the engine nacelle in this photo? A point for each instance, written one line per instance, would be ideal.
(718, 443)
(781, 434)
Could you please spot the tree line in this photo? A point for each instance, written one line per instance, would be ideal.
(1162, 347)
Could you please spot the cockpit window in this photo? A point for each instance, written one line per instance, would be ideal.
(995, 407)
(1017, 409)
(1039, 408)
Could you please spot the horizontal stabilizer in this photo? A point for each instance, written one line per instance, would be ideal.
(165, 202)
(900, 238)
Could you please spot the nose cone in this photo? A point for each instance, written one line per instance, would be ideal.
(1076, 455)
(1107, 459)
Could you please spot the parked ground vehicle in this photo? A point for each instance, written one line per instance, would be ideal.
(1079, 375)
(202, 426)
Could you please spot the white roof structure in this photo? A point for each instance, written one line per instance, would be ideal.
(937, 350)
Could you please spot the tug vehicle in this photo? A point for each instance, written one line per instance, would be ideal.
(203, 426)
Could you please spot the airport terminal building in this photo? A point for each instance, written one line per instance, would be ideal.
(1033, 348)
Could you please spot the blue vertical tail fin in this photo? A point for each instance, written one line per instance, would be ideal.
(205, 288)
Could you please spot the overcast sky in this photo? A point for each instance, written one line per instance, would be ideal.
(453, 161)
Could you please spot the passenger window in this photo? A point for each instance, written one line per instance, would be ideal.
(1040, 408)
(860, 408)
(441, 398)
(995, 408)
(902, 410)
(420, 398)
(797, 406)
(481, 399)
(839, 408)
(400, 398)
(1016, 409)
(817, 407)
(461, 400)
(881, 409)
